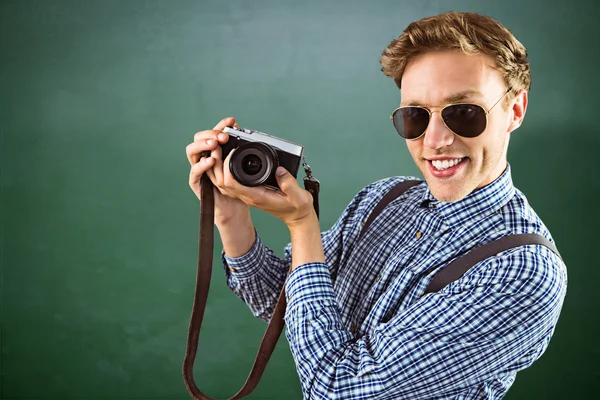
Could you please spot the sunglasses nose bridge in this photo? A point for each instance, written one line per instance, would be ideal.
(437, 134)
(441, 118)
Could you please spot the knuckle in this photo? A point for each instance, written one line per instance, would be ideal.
(306, 200)
(203, 135)
(192, 149)
(198, 136)
(199, 168)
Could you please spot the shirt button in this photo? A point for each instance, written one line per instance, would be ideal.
(353, 328)
(419, 234)
(378, 278)
(232, 269)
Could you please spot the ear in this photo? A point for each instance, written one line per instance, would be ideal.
(517, 110)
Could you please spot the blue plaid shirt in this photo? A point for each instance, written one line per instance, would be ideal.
(360, 327)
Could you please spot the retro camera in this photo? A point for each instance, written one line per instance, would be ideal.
(257, 155)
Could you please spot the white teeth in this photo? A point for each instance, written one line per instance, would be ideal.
(442, 165)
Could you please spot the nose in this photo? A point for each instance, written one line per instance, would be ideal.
(437, 134)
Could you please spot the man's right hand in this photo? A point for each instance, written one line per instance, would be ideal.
(226, 208)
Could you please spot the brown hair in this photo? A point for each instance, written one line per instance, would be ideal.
(468, 32)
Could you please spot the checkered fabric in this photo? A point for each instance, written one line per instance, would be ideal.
(360, 327)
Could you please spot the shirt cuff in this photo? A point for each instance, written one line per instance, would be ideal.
(309, 283)
(247, 265)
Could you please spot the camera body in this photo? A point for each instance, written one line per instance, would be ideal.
(257, 155)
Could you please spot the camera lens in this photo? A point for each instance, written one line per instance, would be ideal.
(253, 163)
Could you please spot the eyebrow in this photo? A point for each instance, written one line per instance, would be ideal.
(453, 98)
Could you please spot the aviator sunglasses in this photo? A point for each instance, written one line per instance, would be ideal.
(466, 120)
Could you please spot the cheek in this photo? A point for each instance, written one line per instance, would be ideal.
(414, 148)
(477, 147)
(490, 148)
(484, 157)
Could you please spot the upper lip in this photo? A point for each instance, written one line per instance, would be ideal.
(442, 158)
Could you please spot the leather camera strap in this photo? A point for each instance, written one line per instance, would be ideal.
(205, 261)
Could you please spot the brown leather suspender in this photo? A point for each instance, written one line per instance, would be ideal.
(446, 275)
(460, 265)
(394, 193)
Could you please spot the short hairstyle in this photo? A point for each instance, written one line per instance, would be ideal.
(462, 31)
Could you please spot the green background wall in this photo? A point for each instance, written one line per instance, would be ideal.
(98, 100)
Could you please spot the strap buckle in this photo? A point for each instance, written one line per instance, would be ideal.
(311, 184)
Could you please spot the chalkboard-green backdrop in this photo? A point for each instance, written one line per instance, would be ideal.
(98, 100)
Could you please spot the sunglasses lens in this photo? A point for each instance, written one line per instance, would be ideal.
(467, 120)
(411, 122)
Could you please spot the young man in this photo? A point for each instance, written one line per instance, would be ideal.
(359, 323)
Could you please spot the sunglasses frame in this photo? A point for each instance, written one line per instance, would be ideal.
(486, 112)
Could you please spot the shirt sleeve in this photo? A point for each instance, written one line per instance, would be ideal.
(500, 318)
(258, 276)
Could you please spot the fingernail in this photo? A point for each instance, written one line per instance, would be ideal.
(281, 171)
(208, 160)
(222, 136)
(209, 142)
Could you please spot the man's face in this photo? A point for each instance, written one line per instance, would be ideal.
(434, 80)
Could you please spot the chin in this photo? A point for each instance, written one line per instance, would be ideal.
(449, 193)
(448, 197)
(452, 189)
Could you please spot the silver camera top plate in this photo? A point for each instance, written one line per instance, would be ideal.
(256, 136)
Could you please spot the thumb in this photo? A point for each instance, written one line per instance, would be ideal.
(286, 181)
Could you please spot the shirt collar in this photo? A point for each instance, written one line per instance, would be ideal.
(480, 202)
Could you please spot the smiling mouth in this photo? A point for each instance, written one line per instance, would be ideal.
(442, 165)
(448, 168)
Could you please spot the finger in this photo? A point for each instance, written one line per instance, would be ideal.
(229, 121)
(223, 138)
(211, 175)
(228, 179)
(287, 183)
(248, 195)
(204, 135)
(217, 154)
(196, 172)
(194, 150)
